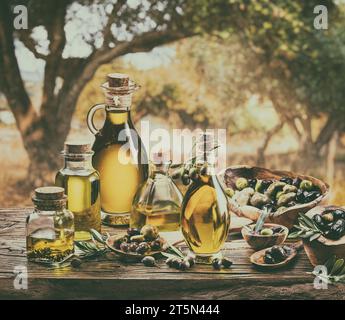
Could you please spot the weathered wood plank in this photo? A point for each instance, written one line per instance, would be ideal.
(112, 279)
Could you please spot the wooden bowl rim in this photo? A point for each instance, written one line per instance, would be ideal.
(245, 232)
(237, 209)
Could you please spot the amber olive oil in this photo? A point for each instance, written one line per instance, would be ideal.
(82, 187)
(83, 199)
(164, 215)
(119, 155)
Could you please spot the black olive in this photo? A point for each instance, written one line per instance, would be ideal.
(252, 183)
(184, 265)
(193, 174)
(278, 253)
(176, 263)
(265, 184)
(318, 220)
(124, 246)
(277, 229)
(156, 245)
(133, 232)
(185, 179)
(133, 247)
(311, 196)
(203, 170)
(226, 263)
(142, 248)
(191, 260)
(339, 214)
(287, 250)
(269, 259)
(149, 261)
(287, 180)
(76, 262)
(170, 261)
(337, 230)
(296, 182)
(217, 264)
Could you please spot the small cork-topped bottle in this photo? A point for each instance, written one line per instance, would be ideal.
(120, 157)
(82, 187)
(50, 227)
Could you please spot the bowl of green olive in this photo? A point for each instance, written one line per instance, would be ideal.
(271, 234)
(285, 194)
(328, 224)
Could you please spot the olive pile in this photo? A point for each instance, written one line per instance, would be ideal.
(331, 223)
(273, 195)
(179, 263)
(140, 241)
(277, 254)
(190, 173)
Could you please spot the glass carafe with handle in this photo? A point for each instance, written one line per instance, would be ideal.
(119, 155)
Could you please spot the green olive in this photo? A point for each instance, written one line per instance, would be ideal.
(306, 185)
(137, 238)
(328, 217)
(266, 232)
(241, 183)
(149, 232)
(258, 186)
(229, 192)
(279, 193)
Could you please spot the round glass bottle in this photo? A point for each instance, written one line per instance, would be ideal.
(205, 217)
(158, 201)
(82, 187)
(50, 227)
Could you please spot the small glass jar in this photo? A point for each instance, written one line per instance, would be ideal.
(82, 187)
(158, 201)
(50, 227)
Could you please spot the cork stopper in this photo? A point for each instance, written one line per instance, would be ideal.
(77, 148)
(49, 193)
(49, 198)
(118, 80)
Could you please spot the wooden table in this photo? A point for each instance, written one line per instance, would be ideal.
(111, 279)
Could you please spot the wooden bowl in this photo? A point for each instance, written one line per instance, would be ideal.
(287, 217)
(322, 249)
(257, 258)
(131, 256)
(258, 241)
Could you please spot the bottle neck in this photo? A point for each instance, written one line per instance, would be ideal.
(84, 162)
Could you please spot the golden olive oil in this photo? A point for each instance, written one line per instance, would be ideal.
(83, 199)
(205, 220)
(122, 164)
(51, 245)
(165, 216)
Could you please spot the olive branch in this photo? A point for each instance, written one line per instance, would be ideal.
(307, 229)
(335, 271)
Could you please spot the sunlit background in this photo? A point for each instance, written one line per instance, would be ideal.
(259, 69)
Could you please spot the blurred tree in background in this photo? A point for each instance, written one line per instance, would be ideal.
(236, 49)
(123, 29)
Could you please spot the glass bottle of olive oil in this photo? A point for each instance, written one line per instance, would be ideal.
(205, 219)
(158, 201)
(82, 187)
(120, 156)
(50, 227)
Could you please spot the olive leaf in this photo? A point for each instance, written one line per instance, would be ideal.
(335, 270)
(92, 249)
(97, 236)
(175, 251)
(306, 229)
